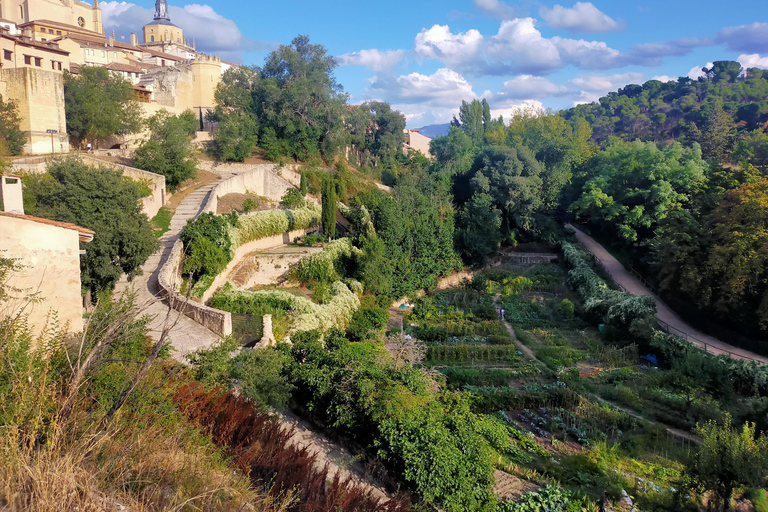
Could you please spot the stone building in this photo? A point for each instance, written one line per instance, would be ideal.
(53, 15)
(49, 254)
(414, 141)
(31, 74)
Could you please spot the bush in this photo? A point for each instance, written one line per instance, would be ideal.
(334, 262)
(250, 204)
(260, 373)
(369, 320)
(293, 198)
(168, 150)
(568, 309)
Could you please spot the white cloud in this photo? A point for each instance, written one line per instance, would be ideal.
(745, 38)
(582, 17)
(495, 8)
(592, 86)
(517, 48)
(753, 61)
(695, 73)
(374, 59)
(424, 98)
(212, 32)
(664, 78)
(652, 52)
(511, 109)
(529, 87)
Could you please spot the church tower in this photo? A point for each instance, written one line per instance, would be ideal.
(161, 31)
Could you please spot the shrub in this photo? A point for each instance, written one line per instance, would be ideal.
(334, 262)
(260, 373)
(369, 320)
(250, 204)
(293, 198)
(568, 309)
(273, 222)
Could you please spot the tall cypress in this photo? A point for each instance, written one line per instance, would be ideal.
(303, 184)
(329, 208)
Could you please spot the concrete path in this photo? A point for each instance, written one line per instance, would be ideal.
(186, 335)
(674, 323)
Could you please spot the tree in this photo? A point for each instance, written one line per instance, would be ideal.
(12, 139)
(478, 230)
(471, 115)
(719, 133)
(99, 104)
(303, 184)
(237, 136)
(728, 459)
(168, 150)
(487, 120)
(377, 133)
(102, 200)
(328, 215)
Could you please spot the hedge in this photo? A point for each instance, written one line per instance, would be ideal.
(463, 353)
(328, 265)
(308, 315)
(272, 222)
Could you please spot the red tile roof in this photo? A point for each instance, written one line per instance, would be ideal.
(86, 235)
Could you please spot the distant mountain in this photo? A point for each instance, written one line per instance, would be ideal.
(435, 130)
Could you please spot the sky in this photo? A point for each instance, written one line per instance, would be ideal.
(425, 56)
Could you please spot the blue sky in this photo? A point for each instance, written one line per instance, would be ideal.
(425, 56)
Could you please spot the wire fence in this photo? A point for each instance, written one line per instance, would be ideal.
(707, 347)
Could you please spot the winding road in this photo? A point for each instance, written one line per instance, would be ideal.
(676, 325)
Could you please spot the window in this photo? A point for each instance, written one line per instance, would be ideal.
(7, 54)
(114, 54)
(42, 29)
(151, 39)
(58, 32)
(103, 53)
(59, 66)
(21, 11)
(28, 59)
(38, 61)
(50, 31)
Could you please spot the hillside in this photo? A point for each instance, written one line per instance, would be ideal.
(661, 111)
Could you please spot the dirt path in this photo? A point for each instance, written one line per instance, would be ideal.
(511, 330)
(632, 285)
(674, 431)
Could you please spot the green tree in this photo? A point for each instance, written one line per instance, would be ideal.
(478, 230)
(719, 133)
(727, 459)
(169, 150)
(487, 120)
(471, 116)
(99, 104)
(328, 215)
(237, 136)
(303, 184)
(12, 139)
(102, 200)
(260, 373)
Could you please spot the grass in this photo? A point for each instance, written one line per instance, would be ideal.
(162, 221)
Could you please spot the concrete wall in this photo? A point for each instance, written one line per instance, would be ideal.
(260, 180)
(51, 259)
(169, 281)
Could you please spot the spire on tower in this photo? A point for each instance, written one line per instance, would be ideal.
(161, 10)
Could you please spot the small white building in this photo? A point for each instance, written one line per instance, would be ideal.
(414, 141)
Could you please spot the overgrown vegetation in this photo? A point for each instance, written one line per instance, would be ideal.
(168, 150)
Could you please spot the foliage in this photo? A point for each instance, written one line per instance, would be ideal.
(250, 204)
(260, 373)
(308, 315)
(728, 459)
(168, 150)
(236, 136)
(99, 104)
(334, 262)
(478, 228)
(162, 221)
(549, 499)
(329, 209)
(207, 243)
(102, 200)
(376, 133)
(12, 139)
(293, 198)
(369, 320)
(273, 222)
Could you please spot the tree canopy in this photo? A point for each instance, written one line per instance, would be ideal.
(12, 139)
(168, 150)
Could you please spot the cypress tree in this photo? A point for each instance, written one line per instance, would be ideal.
(303, 184)
(329, 208)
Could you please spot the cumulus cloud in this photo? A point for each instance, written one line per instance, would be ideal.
(518, 47)
(695, 73)
(511, 109)
(212, 32)
(593, 86)
(374, 59)
(495, 8)
(582, 17)
(424, 98)
(753, 61)
(745, 38)
(664, 78)
(529, 87)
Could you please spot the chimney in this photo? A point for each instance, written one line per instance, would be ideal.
(11, 195)
(134, 39)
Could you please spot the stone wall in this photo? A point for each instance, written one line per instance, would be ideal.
(531, 257)
(245, 249)
(50, 256)
(443, 283)
(169, 281)
(257, 179)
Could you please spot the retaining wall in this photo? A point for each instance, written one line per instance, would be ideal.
(169, 280)
(532, 257)
(444, 283)
(247, 248)
(259, 179)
